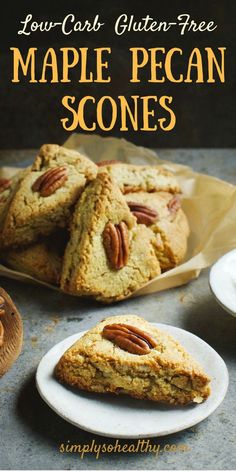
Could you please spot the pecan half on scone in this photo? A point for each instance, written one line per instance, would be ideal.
(127, 355)
(130, 338)
(46, 196)
(144, 214)
(116, 244)
(170, 226)
(50, 181)
(109, 256)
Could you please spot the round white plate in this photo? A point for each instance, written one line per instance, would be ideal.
(222, 280)
(122, 416)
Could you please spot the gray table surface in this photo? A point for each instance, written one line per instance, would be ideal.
(31, 433)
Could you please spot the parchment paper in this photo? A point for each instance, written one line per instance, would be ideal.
(210, 205)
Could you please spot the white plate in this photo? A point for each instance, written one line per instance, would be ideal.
(122, 416)
(222, 280)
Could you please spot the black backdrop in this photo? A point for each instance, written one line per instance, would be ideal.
(30, 113)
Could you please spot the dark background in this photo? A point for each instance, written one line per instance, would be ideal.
(30, 113)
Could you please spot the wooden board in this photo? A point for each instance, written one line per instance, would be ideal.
(12, 333)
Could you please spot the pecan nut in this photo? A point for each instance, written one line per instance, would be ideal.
(116, 244)
(50, 181)
(4, 184)
(174, 204)
(144, 214)
(107, 163)
(2, 306)
(129, 338)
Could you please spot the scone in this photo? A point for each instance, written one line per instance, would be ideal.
(45, 198)
(109, 255)
(53, 155)
(42, 260)
(136, 178)
(126, 354)
(162, 213)
(8, 188)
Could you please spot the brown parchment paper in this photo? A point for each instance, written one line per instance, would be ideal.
(210, 205)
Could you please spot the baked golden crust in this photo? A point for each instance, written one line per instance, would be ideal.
(30, 214)
(86, 268)
(167, 373)
(52, 155)
(61, 185)
(171, 228)
(7, 195)
(137, 178)
(42, 260)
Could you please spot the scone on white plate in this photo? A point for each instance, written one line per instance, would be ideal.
(127, 355)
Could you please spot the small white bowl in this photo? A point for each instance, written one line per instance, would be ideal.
(222, 281)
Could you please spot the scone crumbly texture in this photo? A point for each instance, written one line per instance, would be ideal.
(171, 229)
(86, 269)
(167, 374)
(52, 155)
(7, 195)
(32, 215)
(135, 178)
(40, 260)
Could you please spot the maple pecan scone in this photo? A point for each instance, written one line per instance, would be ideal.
(162, 213)
(46, 195)
(42, 260)
(8, 188)
(109, 255)
(135, 178)
(127, 355)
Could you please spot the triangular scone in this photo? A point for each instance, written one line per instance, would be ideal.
(42, 260)
(168, 223)
(46, 195)
(52, 155)
(108, 256)
(155, 366)
(8, 187)
(136, 178)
